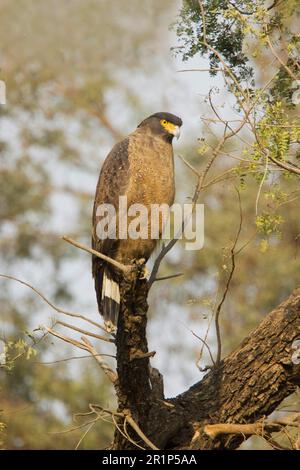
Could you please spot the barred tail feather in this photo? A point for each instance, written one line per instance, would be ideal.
(110, 301)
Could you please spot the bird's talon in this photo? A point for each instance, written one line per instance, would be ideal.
(140, 267)
(138, 262)
(144, 272)
(110, 327)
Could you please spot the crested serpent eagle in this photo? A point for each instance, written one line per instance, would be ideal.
(141, 168)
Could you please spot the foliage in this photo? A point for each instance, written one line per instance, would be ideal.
(239, 30)
(224, 33)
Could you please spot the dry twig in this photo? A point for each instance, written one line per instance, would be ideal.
(54, 307)
(122, 267)
(87, 346)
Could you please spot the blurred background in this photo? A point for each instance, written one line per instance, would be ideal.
(79, 76)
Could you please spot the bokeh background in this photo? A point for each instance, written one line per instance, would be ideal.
(79, 76)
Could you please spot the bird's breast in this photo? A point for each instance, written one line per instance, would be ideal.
(151, 171)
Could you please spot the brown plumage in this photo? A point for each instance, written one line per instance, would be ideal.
(140, 167)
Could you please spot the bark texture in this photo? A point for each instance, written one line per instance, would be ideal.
(247, 385)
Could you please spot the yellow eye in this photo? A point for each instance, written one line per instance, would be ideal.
(164, 122)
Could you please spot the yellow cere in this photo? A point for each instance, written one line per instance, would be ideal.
(171, 128)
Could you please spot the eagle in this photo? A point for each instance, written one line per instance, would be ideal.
(140, 167)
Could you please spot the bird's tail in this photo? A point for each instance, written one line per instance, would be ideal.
(110, 300)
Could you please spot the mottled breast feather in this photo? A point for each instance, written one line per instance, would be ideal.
(151, 169)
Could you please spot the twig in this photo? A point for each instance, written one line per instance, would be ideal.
(72, 341)
(261, 185)
(288, 70)
(54, 307)
(80, 426)
(85, 332)
(219, 308)
(125, 433)
(250, 13)
(122, 267)
(85, 434)
(203, 20)
(273, 443)
(203, 341)
(213, 69)
(138, 430)
(127, 418)
(71, 359)
(293, 420)
(130, 438)
(284, 165)
(219, 178)
(205, 344)
(87, 346)
(141, 355)
(169, 246)
(191, 167)
(171, 276)
(274, 4)
(247, 13)
(112, 375)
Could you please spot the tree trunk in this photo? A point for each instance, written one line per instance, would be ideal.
(247, 385)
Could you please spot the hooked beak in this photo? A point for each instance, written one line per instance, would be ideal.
(176, 132)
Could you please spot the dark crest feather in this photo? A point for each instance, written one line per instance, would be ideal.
(167, 116)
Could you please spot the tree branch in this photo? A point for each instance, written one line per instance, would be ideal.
(54, 307)
(87, 346)
(122, 267)
(259, 429)
(228, 282)
(248, 385)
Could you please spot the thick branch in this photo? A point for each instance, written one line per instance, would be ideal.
(247, 386)
(260, 428)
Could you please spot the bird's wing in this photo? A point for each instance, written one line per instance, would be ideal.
(112, 183)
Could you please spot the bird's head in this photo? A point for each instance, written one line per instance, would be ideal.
(166, 125)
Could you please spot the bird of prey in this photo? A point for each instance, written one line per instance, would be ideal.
(141, 168)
